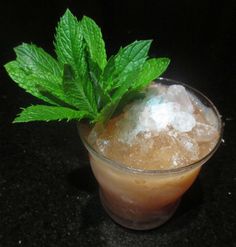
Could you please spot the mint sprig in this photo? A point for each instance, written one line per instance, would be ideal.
(80, 83)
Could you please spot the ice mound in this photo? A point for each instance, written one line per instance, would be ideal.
(175, 110)
(159, 116)
(178, 94)
(171, 108)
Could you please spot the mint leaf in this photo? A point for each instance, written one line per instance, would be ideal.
(33, 59)
(109, 109)
(151, 70)
(127, 61)
(81, 94)
(95, 43)
(69, 44)
(80, 45)
(48, 84)
(48, 113)
(39, 85)
(57, 101)
(18, 75)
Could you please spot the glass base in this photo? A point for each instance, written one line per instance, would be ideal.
(148, 221)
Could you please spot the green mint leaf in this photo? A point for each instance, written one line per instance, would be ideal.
(57, 101)
(93, 37)
(69, 44)
(48, 113)
(151, 70)
(73, 46)
(80, 94)
(35, 60)
(127, 61)
(109, 109)
(41, 86)
(49, 85)
(93, 76)
(106, 112)
(18, 75)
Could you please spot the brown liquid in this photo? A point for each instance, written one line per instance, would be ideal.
(140, 198)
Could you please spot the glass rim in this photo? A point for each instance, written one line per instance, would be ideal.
(122, 166)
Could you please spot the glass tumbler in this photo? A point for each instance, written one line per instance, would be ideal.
(143, 199)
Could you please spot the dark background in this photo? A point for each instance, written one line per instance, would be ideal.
(48, 196)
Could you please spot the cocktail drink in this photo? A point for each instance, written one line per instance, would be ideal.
(147, 156)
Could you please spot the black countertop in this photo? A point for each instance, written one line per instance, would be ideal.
(48, 195)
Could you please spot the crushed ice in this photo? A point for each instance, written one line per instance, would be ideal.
(160, 110)
(166, 108)
(176, 110)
